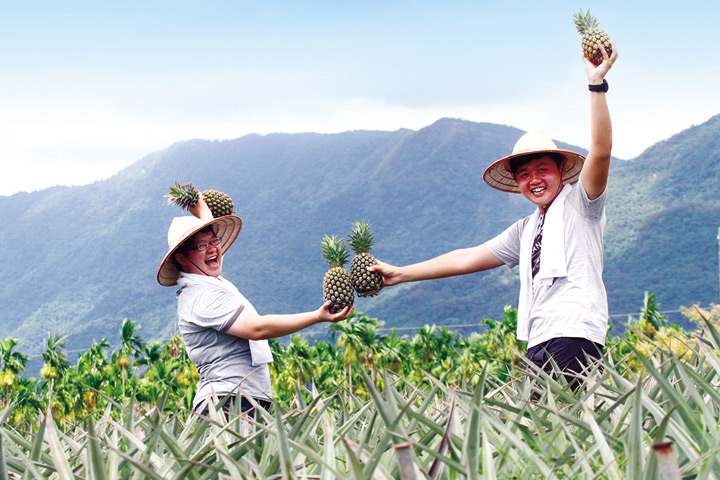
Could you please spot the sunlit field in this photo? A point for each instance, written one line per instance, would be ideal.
(369, 405)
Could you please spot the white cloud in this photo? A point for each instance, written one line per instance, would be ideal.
(74, 142)
(74, 111)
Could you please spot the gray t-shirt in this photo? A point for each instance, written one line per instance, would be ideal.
(576, 305)
(223, 361)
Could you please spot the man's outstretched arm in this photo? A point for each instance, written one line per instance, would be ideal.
(457, 262)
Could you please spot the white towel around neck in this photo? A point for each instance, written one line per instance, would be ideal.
(260, 352)
(552, 257)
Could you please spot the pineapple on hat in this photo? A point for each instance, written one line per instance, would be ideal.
(367, 284)
(337, 285)
(587, 26)
(186, 197)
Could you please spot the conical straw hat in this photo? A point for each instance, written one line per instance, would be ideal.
(499, 176)
(226, 228)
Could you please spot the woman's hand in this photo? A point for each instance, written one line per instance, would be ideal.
(201, 210)
(324, 314)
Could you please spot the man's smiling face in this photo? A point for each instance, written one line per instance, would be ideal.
(202, 262)
(539, 180)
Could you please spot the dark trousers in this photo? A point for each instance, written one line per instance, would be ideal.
(569, 353)
(245, 405)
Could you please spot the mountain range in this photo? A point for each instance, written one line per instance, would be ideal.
(78, 260)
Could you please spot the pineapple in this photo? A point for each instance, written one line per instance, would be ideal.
(186, 196)
(337, 286)
(220, 203)
(587, 26)
(367, 284)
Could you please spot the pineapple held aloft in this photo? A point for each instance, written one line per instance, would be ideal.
(220, 203)
(587, 26)
(367, 284)
(186, 196)
(337, 286)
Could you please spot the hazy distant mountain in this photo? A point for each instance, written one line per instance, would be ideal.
(79, 260)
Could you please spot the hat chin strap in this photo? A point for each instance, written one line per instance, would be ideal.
(198, 267)
(545, 208)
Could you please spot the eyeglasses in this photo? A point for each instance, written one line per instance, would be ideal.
(201, 247)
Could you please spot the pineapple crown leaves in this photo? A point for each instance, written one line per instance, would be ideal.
(361, 238)
(183, 196)
(335, 251)
(585, 21)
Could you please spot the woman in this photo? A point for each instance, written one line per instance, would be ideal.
(224, 335)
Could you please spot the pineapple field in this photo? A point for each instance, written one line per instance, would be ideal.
(371, 405)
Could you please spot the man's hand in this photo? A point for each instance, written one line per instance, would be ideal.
(390, 273)
(596, 74)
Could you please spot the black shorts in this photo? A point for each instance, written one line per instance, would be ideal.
(569, 353)
(245, 405)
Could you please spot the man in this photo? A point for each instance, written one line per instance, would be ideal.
(562, 311)
(224, 335)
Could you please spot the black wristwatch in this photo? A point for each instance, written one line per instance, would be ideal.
(603, 87)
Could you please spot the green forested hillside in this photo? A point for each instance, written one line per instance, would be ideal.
(663, 219)
(84, 258)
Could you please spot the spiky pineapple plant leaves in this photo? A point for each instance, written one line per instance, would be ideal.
(337, 285)
(186, 196)
(592, 35)
(366, 284)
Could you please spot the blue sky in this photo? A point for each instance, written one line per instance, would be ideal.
(87, 88)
